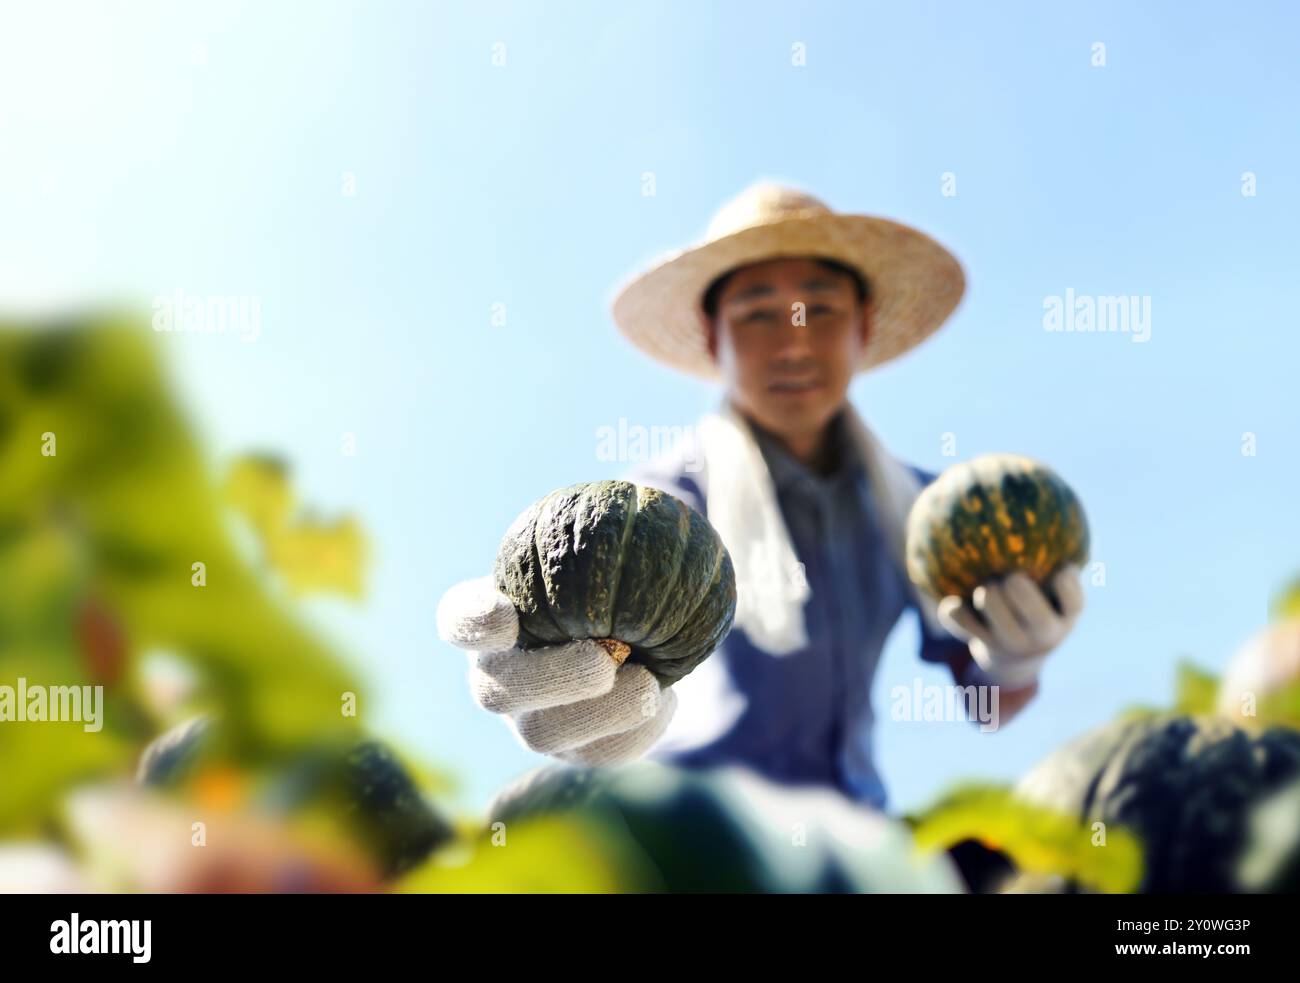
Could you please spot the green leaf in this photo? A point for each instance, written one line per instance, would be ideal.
(313, 555)
(1281, 707)
(1195, 690)
(42, 760)
(544, 855)
(1038, 840)
(309, 553)
(1287, 603)
(258, 486)
(106, 496)
(1139, 711)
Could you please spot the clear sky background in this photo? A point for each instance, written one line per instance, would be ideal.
(150, 147)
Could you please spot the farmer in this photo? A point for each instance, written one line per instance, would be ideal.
(782, 303)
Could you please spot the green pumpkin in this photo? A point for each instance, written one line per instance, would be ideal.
(362, 783)
(989, 517)
(620, 563)
(1185, 786)
(722, 831)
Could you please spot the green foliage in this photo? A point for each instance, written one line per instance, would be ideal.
(1038, 840)
(1287, 603)
(1281, 707)
(1183, 785)
(724, 830)
(42, 761)
(1195, 690)
(544, 855)
(308, 553)
(106, 505)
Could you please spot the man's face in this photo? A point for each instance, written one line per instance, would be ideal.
(786, 338)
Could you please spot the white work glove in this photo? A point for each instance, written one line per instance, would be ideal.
(1019, 624)
(571, 701)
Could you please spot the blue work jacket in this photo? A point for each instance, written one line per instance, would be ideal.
(803, 718)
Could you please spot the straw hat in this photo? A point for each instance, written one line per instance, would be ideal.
(915, 282)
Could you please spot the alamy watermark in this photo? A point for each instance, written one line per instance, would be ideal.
(234, 314)
(634, 442)
(102, 936)
(35, 703)
(920, 702)
(1086, 313)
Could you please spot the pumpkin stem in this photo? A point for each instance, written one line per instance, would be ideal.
(618, 651)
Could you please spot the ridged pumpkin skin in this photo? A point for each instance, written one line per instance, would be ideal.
(1184, 785)
(614, 560)
(989, 517)
(687, 831)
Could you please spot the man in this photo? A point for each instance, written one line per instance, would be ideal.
(782, 302)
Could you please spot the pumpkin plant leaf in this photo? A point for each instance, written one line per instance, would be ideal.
(1038, 840)
(105, 494)
(542, 855)
(1195, 690)
(1281, 707)
(310, 554)
(258, 486)
(1139, 711)
(41, 761)
(320, 556)
(1287, 603)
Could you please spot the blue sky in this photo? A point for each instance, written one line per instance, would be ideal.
(148, 147)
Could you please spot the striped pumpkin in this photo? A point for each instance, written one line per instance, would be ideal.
(1186, 786)
(723, 831)
(989, 517)
(630, 566)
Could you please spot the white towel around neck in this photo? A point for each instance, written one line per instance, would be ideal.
(742, 506)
